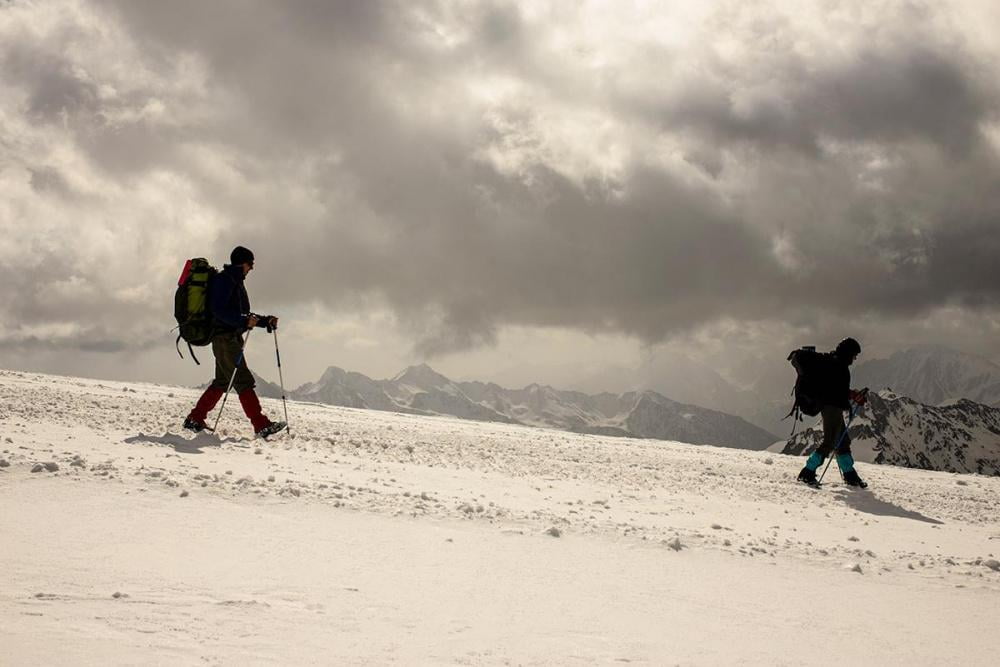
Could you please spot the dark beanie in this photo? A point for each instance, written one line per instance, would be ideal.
(240, 255)
(848, 348)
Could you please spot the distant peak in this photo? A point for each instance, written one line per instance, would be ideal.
(422, 375)
(332, 372)
(648, 396)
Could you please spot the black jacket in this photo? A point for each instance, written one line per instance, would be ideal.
(229, 301)
(834, 386)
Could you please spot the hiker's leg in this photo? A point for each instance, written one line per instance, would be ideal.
(833, 425)
(226, 348)
(205, 404)
(251, 406)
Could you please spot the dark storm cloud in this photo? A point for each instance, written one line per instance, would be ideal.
(896, 93)
(49, 180)
(830, 181)
(91, 339)
(548, 252)
(53, 88)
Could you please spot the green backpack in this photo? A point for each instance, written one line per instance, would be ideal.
(194, 319)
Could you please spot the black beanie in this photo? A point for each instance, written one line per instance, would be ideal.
(848, 348)
(240, 255)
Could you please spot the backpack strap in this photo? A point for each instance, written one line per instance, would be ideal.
(795, 405)
(795, 413)
(190, 349)
(795, 420)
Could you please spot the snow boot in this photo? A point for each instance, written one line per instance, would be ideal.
(808, 476)
(271, 429)
(851, 478)
(194, 425)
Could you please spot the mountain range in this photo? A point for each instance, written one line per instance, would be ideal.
(933, 375)
(949, 397)
(962, 436)
(422, 390)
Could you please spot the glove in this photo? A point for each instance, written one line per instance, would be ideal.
(859, 397)
(269, 322)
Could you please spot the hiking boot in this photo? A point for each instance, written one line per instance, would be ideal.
(807, 476)
(271, 429)
(851, 478)
(194, 425)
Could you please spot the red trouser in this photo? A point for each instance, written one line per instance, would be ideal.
(251, 406)
(248, 399)
(206, 403)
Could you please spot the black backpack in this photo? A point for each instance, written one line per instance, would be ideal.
(807, 364)
(194, 317)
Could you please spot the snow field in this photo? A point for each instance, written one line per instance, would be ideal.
(367, 537)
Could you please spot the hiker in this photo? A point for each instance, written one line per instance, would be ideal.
(832, 386)
(231, 317)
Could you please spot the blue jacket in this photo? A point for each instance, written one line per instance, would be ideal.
(229, 301)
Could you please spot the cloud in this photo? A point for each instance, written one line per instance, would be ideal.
(642, 171)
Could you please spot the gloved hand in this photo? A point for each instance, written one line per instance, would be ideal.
(859, 397)
(259, 321)
(269, 322)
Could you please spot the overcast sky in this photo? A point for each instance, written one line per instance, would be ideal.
(560, 192)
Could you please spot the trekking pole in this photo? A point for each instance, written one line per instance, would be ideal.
(281, 380)
(239, 360)
(855, 410)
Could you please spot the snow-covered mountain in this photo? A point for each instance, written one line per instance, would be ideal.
(757, 391)
(353, 390)
(933, 375)
(422, 390)
(963, 436)
(655, 416)
(541, 405)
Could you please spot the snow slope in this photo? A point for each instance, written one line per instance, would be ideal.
(368, 537)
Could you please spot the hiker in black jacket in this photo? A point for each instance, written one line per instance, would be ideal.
(833, 391)
(231, 318)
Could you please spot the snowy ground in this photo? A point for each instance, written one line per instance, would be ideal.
(370, 538)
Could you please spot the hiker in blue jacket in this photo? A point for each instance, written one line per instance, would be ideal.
(231, 318)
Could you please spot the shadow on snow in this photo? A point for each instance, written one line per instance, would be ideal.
(867, 502)
(180, 443)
